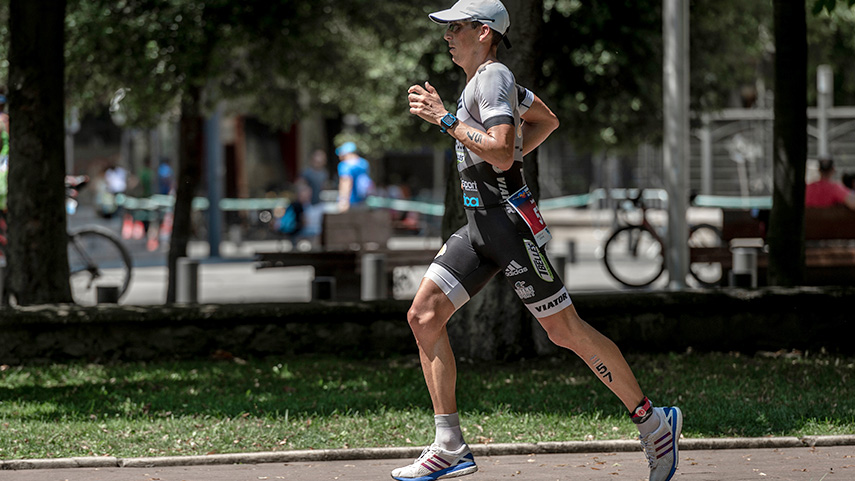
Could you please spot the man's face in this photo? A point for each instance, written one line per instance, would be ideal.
(462, 38)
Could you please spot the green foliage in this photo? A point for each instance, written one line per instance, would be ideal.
(277, 60)
(829, 5)
(731, 47)
(830, 41)
(4, 41)
(602, 70)
(282, 59)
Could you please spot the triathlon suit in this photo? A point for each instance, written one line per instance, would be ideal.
(496, 237)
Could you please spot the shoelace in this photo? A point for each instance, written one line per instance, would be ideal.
(425, 452)
(649, 451)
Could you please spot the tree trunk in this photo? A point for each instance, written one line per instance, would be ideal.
(786, 233)
(495, 324)
(188, 175)
(37, 253)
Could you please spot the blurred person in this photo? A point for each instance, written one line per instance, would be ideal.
(301, 219)
(826, 192)
(496, 124)
(4, 156)
(105, 199)
(144, 189)
(116, 178)
(165, 177)
(146, 179)
(354, 181)
(4, 131)
(848, 180)
(316, 175)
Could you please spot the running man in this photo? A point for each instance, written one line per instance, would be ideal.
(496, 124)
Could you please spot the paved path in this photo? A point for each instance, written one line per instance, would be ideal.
(834, 463)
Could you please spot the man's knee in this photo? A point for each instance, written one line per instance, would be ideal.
(565, 329)
(430, 310)
(425, 321)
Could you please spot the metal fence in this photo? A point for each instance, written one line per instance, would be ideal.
(731, 151)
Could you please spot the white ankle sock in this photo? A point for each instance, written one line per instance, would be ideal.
(448, 434)
(651, 424)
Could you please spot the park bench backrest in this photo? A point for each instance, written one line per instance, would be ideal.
(829, 223)
(358, 229)
(824, 223)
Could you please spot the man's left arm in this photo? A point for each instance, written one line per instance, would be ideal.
(538, 123)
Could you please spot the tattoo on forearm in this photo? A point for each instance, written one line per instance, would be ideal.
(476, 137)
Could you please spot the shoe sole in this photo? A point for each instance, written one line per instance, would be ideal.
(460, 472)
(463, 470)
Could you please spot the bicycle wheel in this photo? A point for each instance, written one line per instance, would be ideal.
(634, 256)
(96, 257)
(708, 274)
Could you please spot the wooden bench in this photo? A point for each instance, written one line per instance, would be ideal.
(829, 243)
(345, 240)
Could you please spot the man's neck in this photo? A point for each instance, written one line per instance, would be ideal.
(472, 68)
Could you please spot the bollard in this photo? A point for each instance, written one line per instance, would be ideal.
(187, 281)
(559, 263)
(744, 272)
(375, 284)
(571, 251)
(323, 288)
(107, 294)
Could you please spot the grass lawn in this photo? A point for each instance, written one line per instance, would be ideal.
(200, 407)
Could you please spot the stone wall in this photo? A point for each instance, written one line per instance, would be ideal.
(716, 320)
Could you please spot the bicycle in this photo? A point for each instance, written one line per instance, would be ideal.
(634, 254)
(96, 256)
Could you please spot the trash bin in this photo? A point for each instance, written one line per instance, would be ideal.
(744, 272)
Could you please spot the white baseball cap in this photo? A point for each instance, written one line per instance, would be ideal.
(489, 12)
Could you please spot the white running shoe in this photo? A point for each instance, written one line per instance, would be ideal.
(437, 463)
(660, 446)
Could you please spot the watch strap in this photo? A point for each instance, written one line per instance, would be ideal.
(446, 122)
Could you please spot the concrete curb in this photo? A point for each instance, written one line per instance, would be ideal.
(413, 452)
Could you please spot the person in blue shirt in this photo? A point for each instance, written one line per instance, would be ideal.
(165, 177)
(354, 181)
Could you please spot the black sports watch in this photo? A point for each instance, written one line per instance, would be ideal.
(447, 122)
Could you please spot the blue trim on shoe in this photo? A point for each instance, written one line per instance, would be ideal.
(675, 437)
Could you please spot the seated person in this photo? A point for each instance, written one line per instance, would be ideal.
(826, 192)
(849, 180)
(301, 219)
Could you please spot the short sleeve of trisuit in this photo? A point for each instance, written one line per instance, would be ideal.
(525, 97)
(496, 95)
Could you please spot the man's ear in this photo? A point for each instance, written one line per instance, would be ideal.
(485, 33)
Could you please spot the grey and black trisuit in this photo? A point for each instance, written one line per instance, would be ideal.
(496, 238)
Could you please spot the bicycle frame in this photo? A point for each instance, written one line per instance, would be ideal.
(90, 267)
